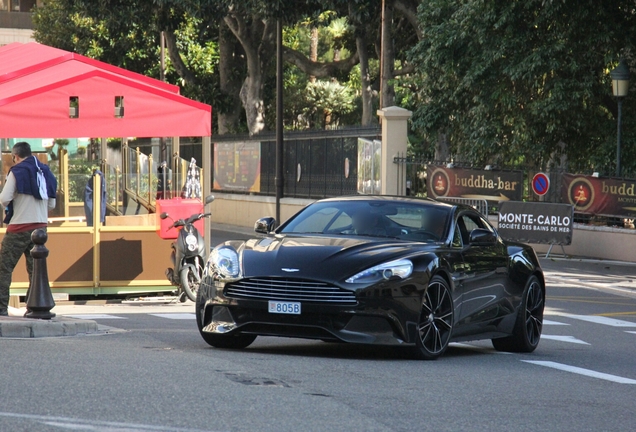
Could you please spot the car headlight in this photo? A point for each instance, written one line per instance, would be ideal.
(400, 268)
(226, 261)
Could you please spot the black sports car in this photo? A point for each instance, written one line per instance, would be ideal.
(375, 270)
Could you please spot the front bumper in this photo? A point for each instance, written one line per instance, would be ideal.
(381, 319)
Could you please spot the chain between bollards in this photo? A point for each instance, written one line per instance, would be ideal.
(40, 299)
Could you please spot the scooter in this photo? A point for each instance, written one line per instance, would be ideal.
(188, 255)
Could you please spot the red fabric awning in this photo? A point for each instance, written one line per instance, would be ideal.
(37, 82)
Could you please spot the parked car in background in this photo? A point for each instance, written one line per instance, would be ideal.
(375, 270)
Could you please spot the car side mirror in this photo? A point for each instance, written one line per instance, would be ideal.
(265, 225)
(481, 236)
(209, 199)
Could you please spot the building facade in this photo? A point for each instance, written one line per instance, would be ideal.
(16, 24)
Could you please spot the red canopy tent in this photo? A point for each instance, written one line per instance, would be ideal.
(37, 83)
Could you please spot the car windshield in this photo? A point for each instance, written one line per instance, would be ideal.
(402, 220)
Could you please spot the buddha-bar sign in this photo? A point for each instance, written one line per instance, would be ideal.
(599, 195)
(536, 222)
(487, 185)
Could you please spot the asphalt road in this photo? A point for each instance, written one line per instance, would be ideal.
(149, 370)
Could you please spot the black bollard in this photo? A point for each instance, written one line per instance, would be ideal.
(40, 301)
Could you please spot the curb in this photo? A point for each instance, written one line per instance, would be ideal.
(17, 327)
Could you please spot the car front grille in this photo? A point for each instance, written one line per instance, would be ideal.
(284, 289)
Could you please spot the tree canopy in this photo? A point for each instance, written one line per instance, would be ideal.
(522, 82)
(489, 82)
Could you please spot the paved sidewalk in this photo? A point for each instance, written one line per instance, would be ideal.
(75, 318)
(16, 326)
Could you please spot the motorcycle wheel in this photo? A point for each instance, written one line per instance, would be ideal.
(190, 283)
(182, 297)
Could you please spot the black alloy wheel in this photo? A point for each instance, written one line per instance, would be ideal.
(529, 324)
(436, 320)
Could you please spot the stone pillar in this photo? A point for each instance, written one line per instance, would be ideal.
(394, 139)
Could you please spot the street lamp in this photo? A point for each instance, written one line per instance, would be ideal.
(620, 84)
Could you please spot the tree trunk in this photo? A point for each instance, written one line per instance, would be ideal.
(228, 117)
(251, 95)
(441, 148)
(409, 10)
(173, 52)
(368, 118)
(258, 41)
(313, 50)
(387, 95)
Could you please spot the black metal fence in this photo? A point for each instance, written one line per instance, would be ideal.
(317, 164)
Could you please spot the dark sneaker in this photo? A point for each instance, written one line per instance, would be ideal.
(4, 312)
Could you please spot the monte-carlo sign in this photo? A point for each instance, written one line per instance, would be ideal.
(536, 222)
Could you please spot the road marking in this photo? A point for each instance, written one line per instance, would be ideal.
(570, 339)
(176, 316)
(476, 348)
(581, 371)
(627, 331)
(94, 425)
(95, 316)
(617, 314)
(592, 301)
(602, 320)
(548, 322)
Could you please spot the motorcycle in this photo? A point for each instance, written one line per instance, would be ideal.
(188, 255)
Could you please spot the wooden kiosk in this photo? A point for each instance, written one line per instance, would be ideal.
(46, 92)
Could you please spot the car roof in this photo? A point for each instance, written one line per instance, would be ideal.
(396, 199)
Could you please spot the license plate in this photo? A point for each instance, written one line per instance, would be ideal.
(290, 308)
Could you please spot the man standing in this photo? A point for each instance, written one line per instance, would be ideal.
(26, 210)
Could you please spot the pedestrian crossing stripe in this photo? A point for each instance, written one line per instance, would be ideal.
(602, 320)
(582, 371)
(176, 316)
(549, 322)
(570, 339)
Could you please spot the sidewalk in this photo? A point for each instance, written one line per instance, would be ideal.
(16, 326)
(76, 317)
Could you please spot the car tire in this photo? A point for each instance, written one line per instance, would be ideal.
(527, 331)
(435, 325)
(233, 341)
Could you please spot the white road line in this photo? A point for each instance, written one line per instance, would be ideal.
(176, 316)
(94, 316)
(627, 331)
(570, 339)
(548, 322)
(581, 371)
(602, 320)
(94, 425)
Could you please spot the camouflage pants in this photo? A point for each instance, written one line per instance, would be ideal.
(14, 245)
